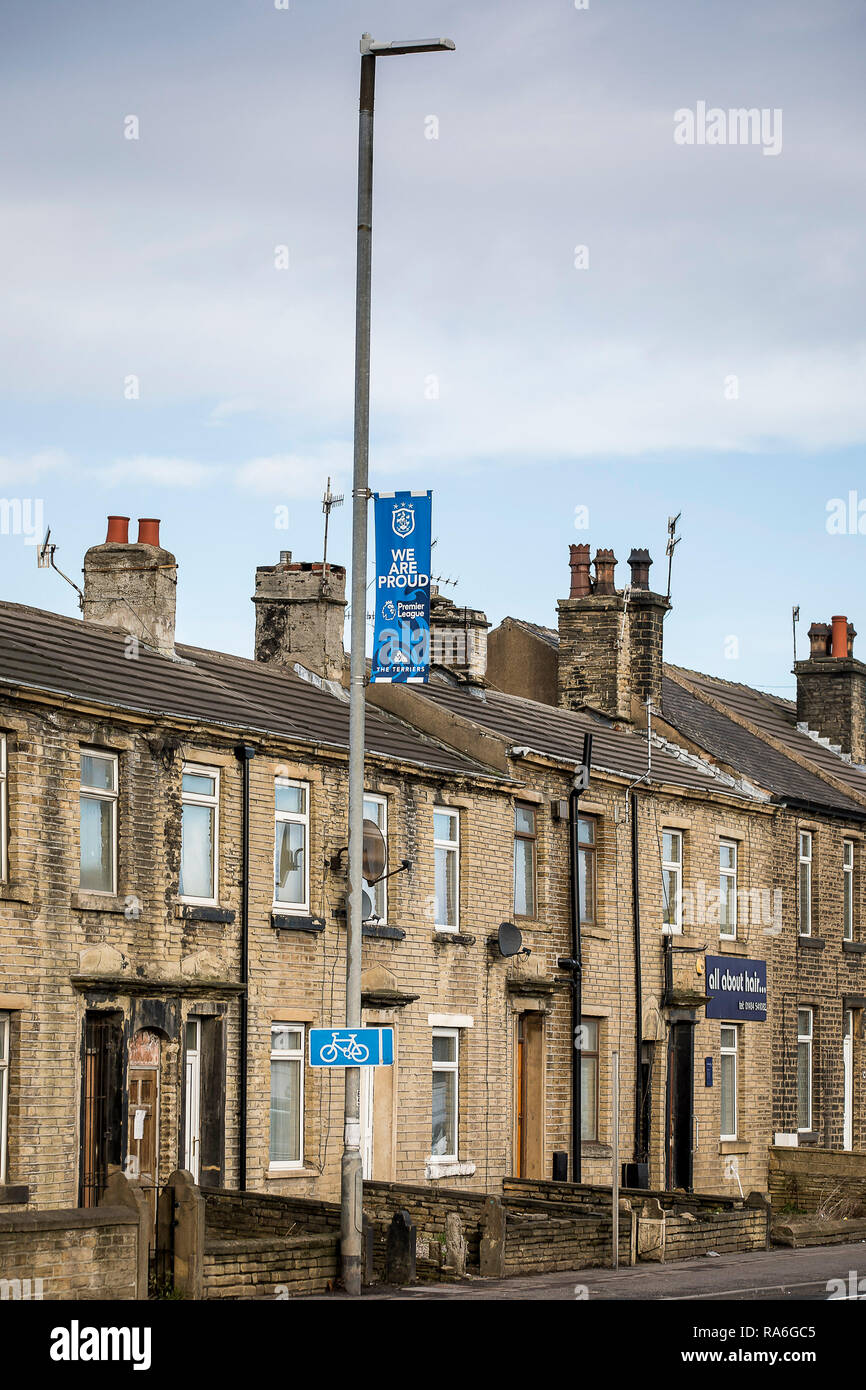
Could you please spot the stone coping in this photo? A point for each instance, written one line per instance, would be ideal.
(76, 1218)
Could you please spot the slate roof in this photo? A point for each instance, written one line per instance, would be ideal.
(65, 656)
(777, 718)
(558, 733)
(750, 755)
(547, 634)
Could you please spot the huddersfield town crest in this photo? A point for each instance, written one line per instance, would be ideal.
(403, 519)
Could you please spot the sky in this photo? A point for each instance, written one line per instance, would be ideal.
(581, 324)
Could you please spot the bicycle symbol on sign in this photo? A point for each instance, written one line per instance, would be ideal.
(348, 1048)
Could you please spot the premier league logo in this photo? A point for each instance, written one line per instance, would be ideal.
(403, 519)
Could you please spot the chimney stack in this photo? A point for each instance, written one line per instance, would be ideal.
(610, 649)
(458, 637)
(132, 586)
(831, 687)
(300, 615)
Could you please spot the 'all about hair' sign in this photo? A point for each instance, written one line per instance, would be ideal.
(401, 636)
(736, 989)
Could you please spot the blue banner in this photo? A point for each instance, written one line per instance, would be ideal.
(351, 1047)
(401, 635)
(736, 989)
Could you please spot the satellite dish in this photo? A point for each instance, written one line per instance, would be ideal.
(510, 940)
(374, 852)
(368, 907)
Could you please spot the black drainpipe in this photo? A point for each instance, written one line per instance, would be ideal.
(638, 986)
(245, 753)
(575, 964)
(576, 984)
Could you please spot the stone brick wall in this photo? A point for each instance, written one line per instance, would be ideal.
(809, 1179)
(78, 1255)
(543, 1244)
(723, 1231)
(282, 1267)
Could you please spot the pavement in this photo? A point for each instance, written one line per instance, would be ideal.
(793, 1275)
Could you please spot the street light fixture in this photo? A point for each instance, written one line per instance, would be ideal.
(379, 50)
(351, 1173)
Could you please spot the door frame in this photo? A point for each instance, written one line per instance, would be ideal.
(192, 1099)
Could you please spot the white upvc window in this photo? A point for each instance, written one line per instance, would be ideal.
(804, 896)
(446, 1093)
(4, 812)
(848, 890)
(199, 848)
(287, 1095)
(805, 1033)
(98, 821)
(728, 888)
(446, 849)
(728, 1088)
(4, 1090)
(672, 880)
(376, 810)
(292, 844)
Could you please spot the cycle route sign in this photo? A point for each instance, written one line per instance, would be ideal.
(351, 1047)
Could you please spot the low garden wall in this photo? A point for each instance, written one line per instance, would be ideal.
(826, 1181)
(81, 1253)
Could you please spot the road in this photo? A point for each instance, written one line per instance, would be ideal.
(793, 1275)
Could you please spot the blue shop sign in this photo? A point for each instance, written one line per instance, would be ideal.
(737, 989)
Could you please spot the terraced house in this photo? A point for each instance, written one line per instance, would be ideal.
(670, 844)
(800, 905)
(173, 881)
(172, 903)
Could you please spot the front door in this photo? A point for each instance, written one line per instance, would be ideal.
(680, 1106)
(848, 1069)
(142, 1137)
(530, 1096)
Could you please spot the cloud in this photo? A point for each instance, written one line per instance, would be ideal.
(295, 477)
(38, 465)
(161, 472)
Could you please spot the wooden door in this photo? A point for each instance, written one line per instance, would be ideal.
(143, 1129)
(530, 1096)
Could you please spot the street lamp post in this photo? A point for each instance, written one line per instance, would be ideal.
(351, 1180)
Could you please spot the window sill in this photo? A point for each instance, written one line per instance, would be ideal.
(280, 1173)
(854, 948)
(734, 1146)
(448, 1168)
(381, 932)
(201, 912)
(12, 892)
(808, 1137)
(82, 901)
(732, 947)
(447, 937)
(812, 943)
(594, 1148)
(287, 921)
(13, 1192)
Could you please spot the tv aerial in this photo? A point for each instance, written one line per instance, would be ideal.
(45, 561)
